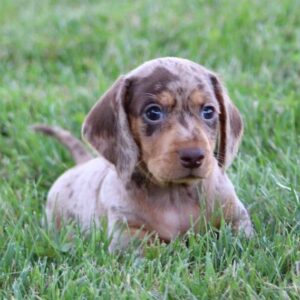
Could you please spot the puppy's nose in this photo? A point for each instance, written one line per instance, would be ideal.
(191, 157)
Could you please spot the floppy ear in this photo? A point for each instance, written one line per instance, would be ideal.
(106, 129)
(231, 125)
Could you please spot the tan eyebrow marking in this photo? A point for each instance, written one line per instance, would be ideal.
(166, 99)
(198, 97)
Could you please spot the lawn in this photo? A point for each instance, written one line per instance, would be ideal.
(58, 57)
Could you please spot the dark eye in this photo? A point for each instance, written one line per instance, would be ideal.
(153, 113)
(208, 112)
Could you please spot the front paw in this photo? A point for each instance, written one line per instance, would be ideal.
(119, 243)
(245, 227)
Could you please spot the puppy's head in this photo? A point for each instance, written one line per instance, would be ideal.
(170, 118)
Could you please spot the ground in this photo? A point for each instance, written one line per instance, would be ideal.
(58, 57)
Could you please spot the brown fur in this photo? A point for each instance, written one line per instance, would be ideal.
(139, 180)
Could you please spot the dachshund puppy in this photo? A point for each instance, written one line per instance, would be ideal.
(166, 133)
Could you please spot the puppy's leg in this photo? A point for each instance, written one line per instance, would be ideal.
(122, 233)
(123, 223)
(117, 230)
(233, 210)
(236, 214)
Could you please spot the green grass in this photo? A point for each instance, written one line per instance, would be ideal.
(58, 57)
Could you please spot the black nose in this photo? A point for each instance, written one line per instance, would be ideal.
(191, 157)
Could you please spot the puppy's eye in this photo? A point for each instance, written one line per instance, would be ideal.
(153, 113)
(208, 112)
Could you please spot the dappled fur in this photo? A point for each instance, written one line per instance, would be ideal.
(139, 181)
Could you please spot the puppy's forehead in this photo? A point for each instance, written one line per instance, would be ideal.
(179, 76)
(172, 64)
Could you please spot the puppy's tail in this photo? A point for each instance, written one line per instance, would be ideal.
(74, 145)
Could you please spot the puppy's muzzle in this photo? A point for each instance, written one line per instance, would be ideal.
(191, 158)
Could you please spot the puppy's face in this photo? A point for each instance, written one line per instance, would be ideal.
(164, 119)
(175, 124)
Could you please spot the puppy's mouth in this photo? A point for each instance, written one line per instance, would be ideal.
(186, 179)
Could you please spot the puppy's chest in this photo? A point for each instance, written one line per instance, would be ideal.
(172, 215)
(176, 221)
